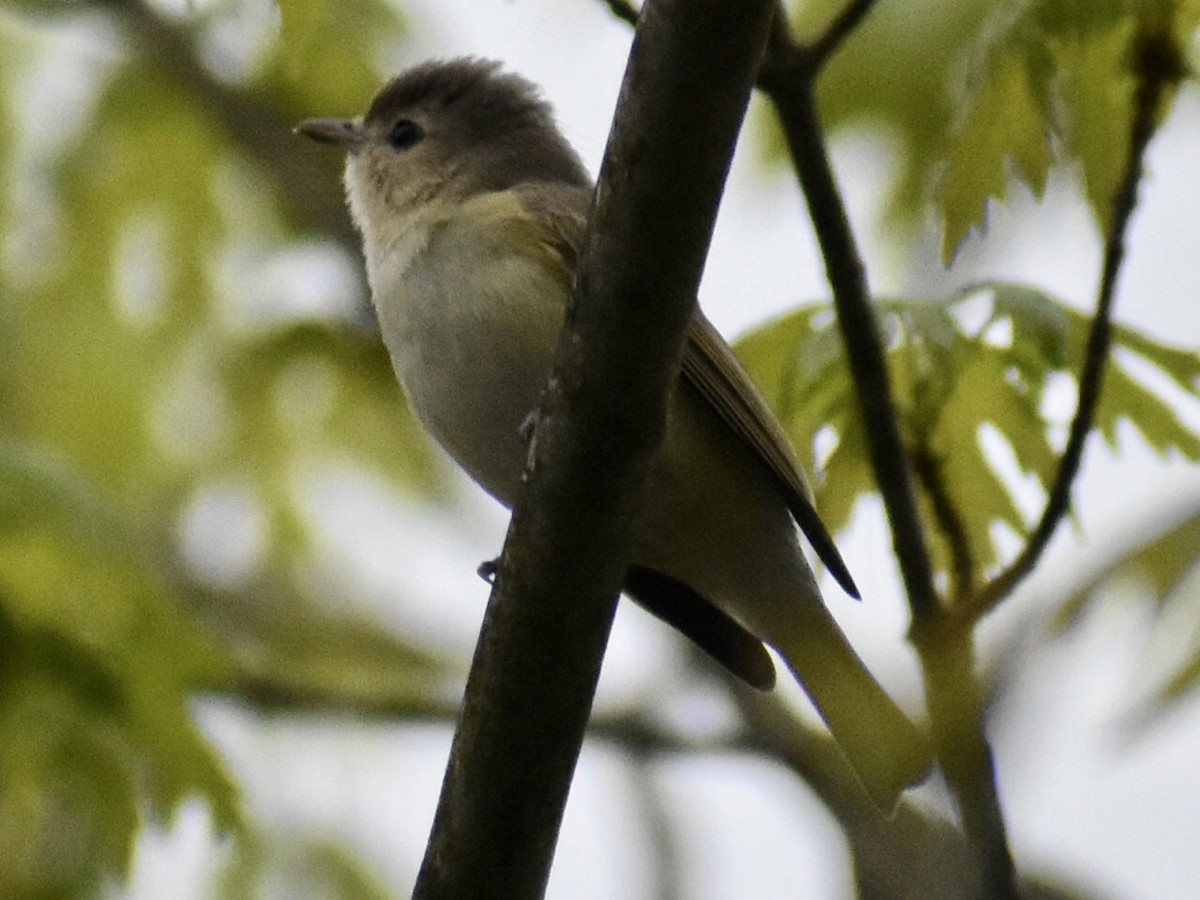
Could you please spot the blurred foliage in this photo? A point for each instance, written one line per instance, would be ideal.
(165, 335)
(979, 93)
(983, 360)
(181, 313)
(297, 867)
(1054, 82)
(96, 672)
(1157, 566)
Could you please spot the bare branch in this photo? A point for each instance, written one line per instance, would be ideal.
(947, 655)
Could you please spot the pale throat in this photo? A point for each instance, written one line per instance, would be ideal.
(394, 232)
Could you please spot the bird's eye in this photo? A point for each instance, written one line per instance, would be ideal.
(405, 133)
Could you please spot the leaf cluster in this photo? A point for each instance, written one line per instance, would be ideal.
(978, 95)
(977, 380)
(1054, 82)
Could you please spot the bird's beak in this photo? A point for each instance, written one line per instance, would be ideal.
(346, 133)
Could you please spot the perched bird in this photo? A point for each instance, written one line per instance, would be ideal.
(472, 208)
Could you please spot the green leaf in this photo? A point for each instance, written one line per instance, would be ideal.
(1003, 136)
(99, 667)
(1053, 84)
(1180, 365)
(1160, 565)
(1126, 398)
(895, 72)
(951, 384)
(1095, 92)
(982, 395)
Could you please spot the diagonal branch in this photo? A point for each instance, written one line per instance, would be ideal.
(843, 25)
(789, 82)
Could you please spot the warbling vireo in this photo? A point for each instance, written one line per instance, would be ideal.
(472, 208)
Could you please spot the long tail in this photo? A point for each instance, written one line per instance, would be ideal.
(885, 749)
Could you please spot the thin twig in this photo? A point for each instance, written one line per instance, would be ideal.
(844, 24)
(783, 55)
(928, 469)
(1158, 69)
(623, 10)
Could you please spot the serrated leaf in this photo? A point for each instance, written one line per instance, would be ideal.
(950, 385)
(1054, 84)
(984, 395)
(1096, 93)
(1180, 365)
(1124, 399)
(1005, 135)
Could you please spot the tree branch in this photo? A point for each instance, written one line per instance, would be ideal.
(1158, 68)
(789, 84)
(654, 810)
(843, 25)
(908, 854)
(911, 854)
(947, 656)
(530, 690)
(956, 714)
(787, 75)
(928, 469)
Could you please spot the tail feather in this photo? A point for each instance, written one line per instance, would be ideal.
(886, 750)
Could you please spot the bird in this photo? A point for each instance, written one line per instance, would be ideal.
(472, 208)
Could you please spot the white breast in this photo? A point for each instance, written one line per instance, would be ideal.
(470, 322)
